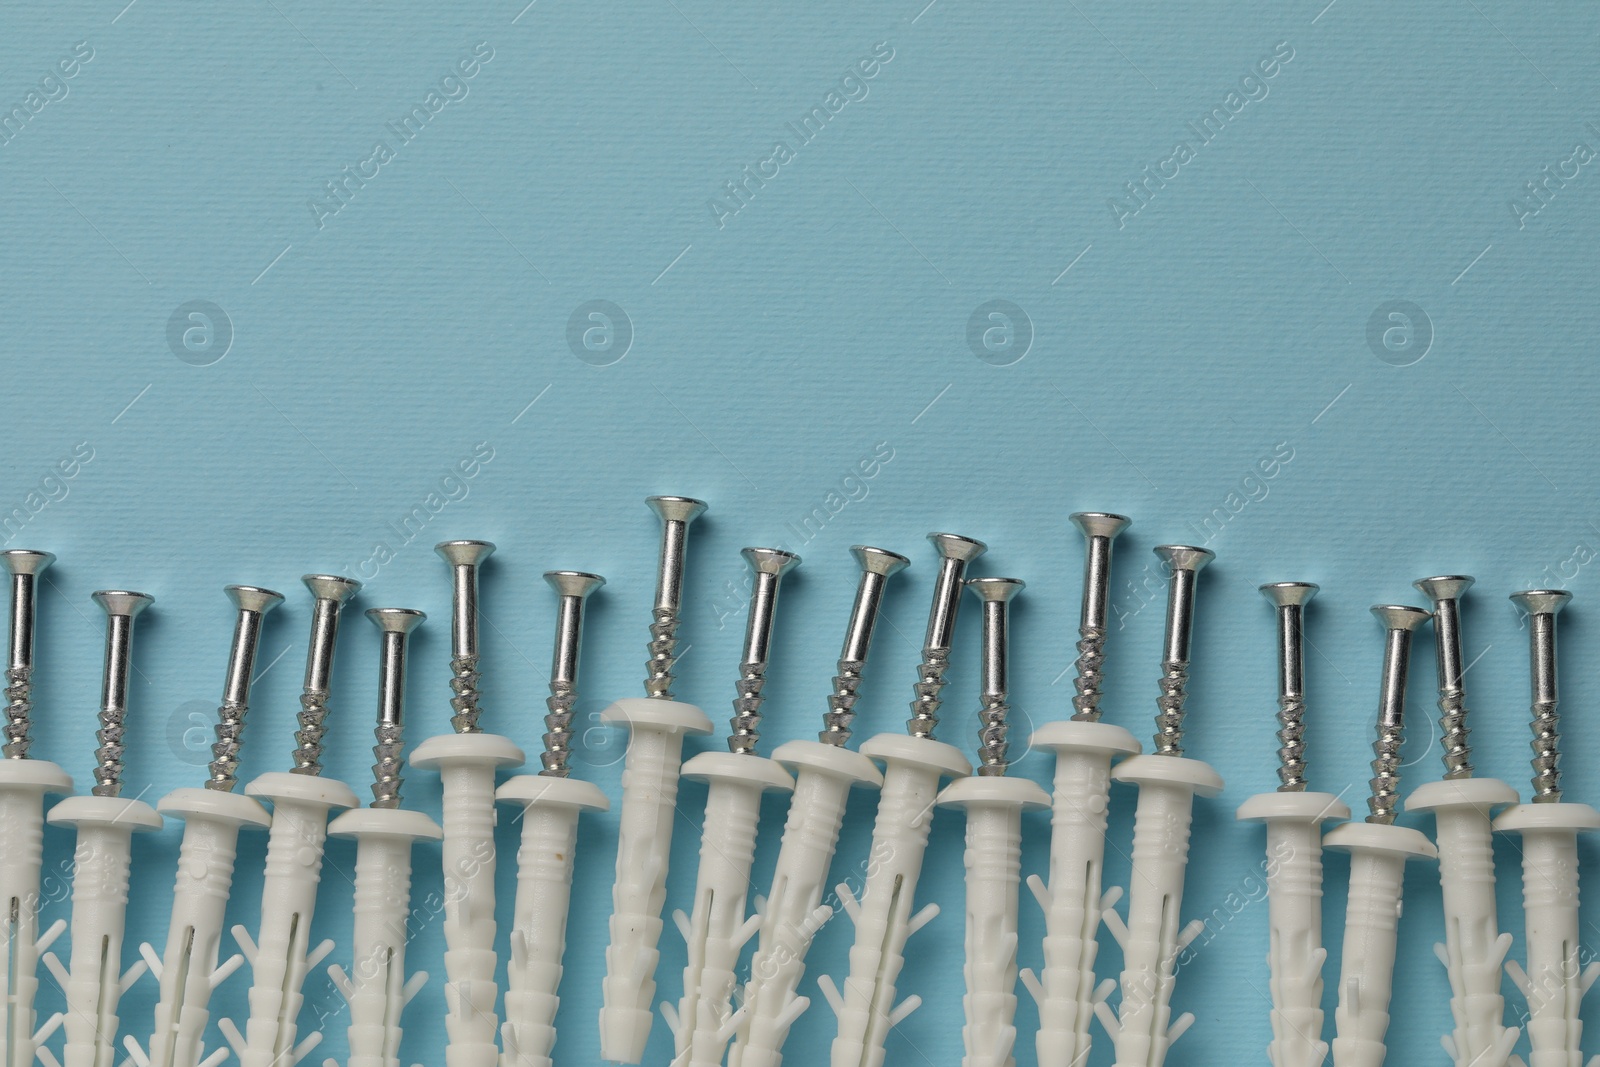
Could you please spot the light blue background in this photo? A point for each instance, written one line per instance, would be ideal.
(830, 314)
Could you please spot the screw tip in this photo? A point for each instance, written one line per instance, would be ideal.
(1400, 616)
(464, 553)
(770, 560)
(1100, 523)
(954, 546)
(122, 602)
(879, 560)
(1541, 601)
(683, 509)
(1289, 594)
(1001, 589)
(1444, 587)
(573, 583)
(1184, 557)
(396, 620)
(26, 560)
(331, 587)
(253, 598)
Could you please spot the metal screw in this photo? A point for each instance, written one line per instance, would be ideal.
(120, 608)
(996, 594)
(573, 587)
(24, 566)
(768, 565)
(676, 513)
(955, 552)
(464, 557)
(877, 566)
(253, 604)
(1291, 598)
(1446, 593)
(1542, 606)
(1099, 530)
(396, 624)
(1398, 620)
(1183, 563)
(330, 592)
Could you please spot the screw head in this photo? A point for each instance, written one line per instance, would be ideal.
(1444, 587)
(253, 598)
(879, 560)
(573, 583)
(464, 553)
(1541, 601)
(954, 546)
(684, 509)
(1400, 616)
(331, 587)
(1100, 523)
(396, 620)
(1289, 594)
(996, 589)
(771, 560)
(1184, 557)
(121, 602)
(26, 560)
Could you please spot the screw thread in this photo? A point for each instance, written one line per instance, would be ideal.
(386, 779)
(224, 768)
(745, 726)
(464, 675)
(558, 729)
(108, 756)
(930, 683)
(308, 739)
(1546, 752)
(1091, 672)
(841, 703)
(992, 731)
(1385, 782)
(1291, 744)
(1169, 705)
(1453, 731)
(663, 655)
(19, 709)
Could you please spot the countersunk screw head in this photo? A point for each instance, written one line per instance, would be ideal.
(573, 583)
(331, 587)
(1444, 587)
(684, 509)
(26, 561)
(1541, 601)
(1099, 523)
(396, 620)
(773, 561)
(879, 560)
(954, 546)
(1184, 557)
(464, 553)
(122, 602)
(253, 598)
(1290, 594)
(1400, 616)
(991, 590)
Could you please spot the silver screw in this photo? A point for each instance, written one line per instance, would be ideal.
(120, 608)
(24, 566)
(1398, 620)
(1099, 530)
(1446, 593)
(768, 566)
(996, 594)
(396, 625)
(253, 604)
(1290, 600)
(1183, 564)
(877, 566)
(465, 558)
(1542, 606)
(676, 513)
(573, 588)
(330, 592)
(955, 552)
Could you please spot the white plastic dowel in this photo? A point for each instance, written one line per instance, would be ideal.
(550, 810)
(1555, 978)
(376, 986)
(1378, 854)
(467, 765)
(1295, 953)
(656, 729)
(717, 928)
(94, 980)
(1474, 949)
(994, 872)
(1065, 989)
(793, 912)
(883, 919)
(1143, 1028)
(188, 971)
(280, 955)
(23, 784)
